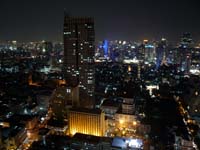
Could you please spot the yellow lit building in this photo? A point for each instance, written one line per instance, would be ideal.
(87, 121)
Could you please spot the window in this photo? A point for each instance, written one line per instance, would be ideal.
(67, 33)
(68, 90)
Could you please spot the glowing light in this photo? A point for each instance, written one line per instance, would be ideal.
(129, 69)
(66, 33)
(127, 143)
(4, 124)
(124, 42)
(195, 71)
(135, 143)
(73, 132)
(129, 61)
(151, 87)
(134, 123)
(105, 47)
(149, 46)
(145, 40)
(29, 134)
(121, 121)
(14, 42)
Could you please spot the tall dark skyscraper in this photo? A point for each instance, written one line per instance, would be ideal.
(185, 52)
(79, 38)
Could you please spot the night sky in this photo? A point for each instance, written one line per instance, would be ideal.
(33, 20)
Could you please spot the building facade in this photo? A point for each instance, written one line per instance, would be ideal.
(79, 49)
(87, 121)
(62, 99)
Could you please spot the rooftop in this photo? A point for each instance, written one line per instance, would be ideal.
(86, 110)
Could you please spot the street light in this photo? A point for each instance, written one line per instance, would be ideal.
(121, 121)
(134, 123)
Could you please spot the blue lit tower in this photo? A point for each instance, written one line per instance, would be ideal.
(160, 52)
(105, 47)
(79, 48)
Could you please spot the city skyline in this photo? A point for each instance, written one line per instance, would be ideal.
(126, 20)
(122, 75)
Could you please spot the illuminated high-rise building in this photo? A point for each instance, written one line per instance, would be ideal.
(161, 52)
(185, 51)
(186, 40)
(79, 38)
(87, 121)
(149, 52)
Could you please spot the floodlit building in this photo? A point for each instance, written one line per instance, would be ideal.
(87, 121)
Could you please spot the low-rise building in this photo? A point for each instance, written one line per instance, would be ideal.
(87, 121)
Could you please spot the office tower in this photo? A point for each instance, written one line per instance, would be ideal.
(141, 52)
(87, 121)
(186, 40)
(161, 52)
(79, 37)
(185, 50)
(149, 52)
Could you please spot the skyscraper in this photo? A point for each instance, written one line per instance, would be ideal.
(186, 40)
(79, 38)
(161, 52)
(185, 50)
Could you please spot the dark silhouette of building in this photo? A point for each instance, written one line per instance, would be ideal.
(185, 50)
(79, 38)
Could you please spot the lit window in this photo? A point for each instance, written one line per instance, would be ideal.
(68, 90)
(90, 81)
(67, 33)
